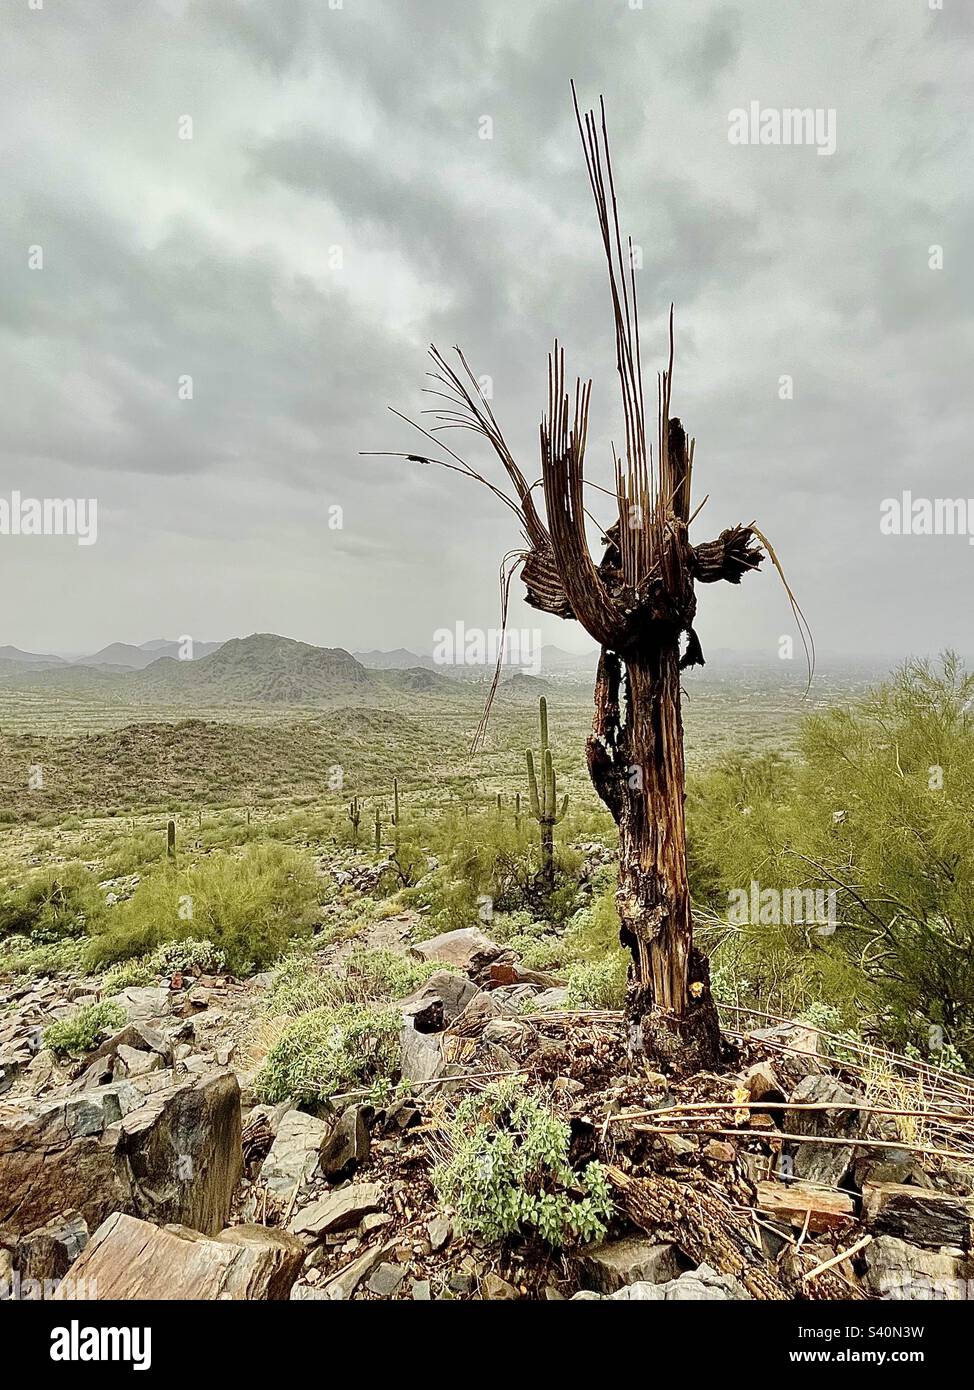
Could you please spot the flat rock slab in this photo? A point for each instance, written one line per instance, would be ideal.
(339, 1210)
(131, 1259)
(794, 1202)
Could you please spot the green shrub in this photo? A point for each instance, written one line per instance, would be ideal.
(598, 984)
(129, 974)
(539, 952)
(333, 1050)
(62, 900)
(19, 956)
(877, 809)
(385, 974)
(510, 1174)
(190, 955)
(250, 905)
(82, 1031)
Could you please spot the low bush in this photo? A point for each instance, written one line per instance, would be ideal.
(250, 906)
(82, 1031)
(510, 1174)
(333, 1050)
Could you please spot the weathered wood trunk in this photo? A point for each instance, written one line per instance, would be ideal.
(638, 768)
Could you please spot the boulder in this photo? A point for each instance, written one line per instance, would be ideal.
(468, 949)
(611, 1264)
(698, 1285)
(422, 1055)
(897, 1270)
(292, 1160)
(158, 1147)
(131, 1259)
(144, 1003)
(347, 1146)
(438, 1001)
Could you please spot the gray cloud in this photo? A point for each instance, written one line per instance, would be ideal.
(360, 129)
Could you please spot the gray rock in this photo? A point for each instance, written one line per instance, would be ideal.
(438, 1001)
(162, 1148)
(439, 1230)
(338, 1211)
(468, 949)
(700, 1285)
(344, 1284)
(144, 1004)
(48, 1252)
(612, 1264)
(422, 1055)
(386, 1279)
(510, 1033)
(130, 1062)
(293, 1157)
(552, 999)
(827, 1164)
(896, 1270)
(347, 1146)
(421, 1290)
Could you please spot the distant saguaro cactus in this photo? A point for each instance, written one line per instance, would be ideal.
(395, 800)
(378, 831)
(355, 816)
(544, 800)
(171, 840)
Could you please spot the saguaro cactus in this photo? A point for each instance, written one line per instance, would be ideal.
(378, 831)
(171, 840)
(355, 816)
(544, 800)
(395, 800)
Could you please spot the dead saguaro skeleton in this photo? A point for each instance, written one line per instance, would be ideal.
(638, 603)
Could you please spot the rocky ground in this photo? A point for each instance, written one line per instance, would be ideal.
(146, 1168)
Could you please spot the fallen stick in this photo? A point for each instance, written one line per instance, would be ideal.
(674, 1127)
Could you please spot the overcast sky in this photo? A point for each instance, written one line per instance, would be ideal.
(337, 209)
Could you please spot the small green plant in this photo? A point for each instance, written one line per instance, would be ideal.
(544, 800)
(510, 1174)
(333, 1050)
(82, 1031)
(189, 955)
(129, 974)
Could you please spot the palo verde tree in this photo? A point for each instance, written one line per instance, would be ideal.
(638, 602)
